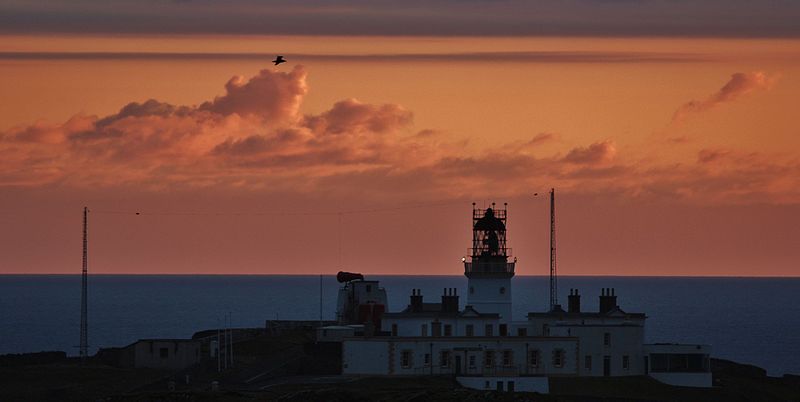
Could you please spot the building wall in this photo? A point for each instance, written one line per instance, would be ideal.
(412, 326)
(485, 296)
(407, 356)
(165, 354)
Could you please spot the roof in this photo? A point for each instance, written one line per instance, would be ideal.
(435, 310)
(614, 313)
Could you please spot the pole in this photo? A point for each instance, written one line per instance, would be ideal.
(230, 328)
(219, 348)
(553, 273)
(84, 344)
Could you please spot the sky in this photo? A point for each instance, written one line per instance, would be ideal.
(668, 129)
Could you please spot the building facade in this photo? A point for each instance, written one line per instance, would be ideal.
(484, 347)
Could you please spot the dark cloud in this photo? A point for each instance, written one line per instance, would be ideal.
(726, 18)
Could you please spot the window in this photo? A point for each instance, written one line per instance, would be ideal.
(424, 330)
(470, 330)
(444, 358)
(508, 358)
(606, 339)
(626, 362)
(163, 353)
(558, 358)
(545, 330)
(394, 329)
(472, 290)
(369, 288)
(522, 331)
(427, 359)
(406, 359)
(448, 330)
(587, 362)
(502, 290)
(436, 329)
(488, 358)
(487, 384)
(472, 361)
(503, 329)
(489, 330)
(533, 358)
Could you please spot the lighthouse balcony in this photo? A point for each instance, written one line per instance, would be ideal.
(489, 268)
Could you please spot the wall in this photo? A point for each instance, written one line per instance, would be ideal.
(484, 295)
(180, 354)
(384, 356)
(521, 384)
(684, 379)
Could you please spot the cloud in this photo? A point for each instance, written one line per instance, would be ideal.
(255, 139)
(597, 153)
(539, 57)
(413, 17)
(740, 84)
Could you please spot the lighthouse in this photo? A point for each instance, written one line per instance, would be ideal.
(487, 267)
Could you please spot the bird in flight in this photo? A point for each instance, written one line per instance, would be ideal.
(278, 60)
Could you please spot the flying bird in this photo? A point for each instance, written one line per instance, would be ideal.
(278, 60)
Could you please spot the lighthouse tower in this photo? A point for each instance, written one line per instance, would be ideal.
(487, 267)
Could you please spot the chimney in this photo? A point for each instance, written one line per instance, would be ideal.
(574, 303)
(416, 301)
(450, 300)
(608, 300)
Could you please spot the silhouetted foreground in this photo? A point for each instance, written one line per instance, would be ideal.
(291, 367)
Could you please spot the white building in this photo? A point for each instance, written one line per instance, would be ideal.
(483, 347)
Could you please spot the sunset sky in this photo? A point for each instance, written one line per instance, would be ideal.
(668, 128)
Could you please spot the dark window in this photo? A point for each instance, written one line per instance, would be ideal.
(522, 331)
(489, 330)
(503, 329)
(499, 385)
(472, 361)
(444, 358)
(394, 329)
(626, 361)
(508, 358)
(470, 330)
(607, 339)
(533, 358)
(678, 362)
(488, 358)
(448, 330)
(436, 329)
(163, 352)
(558, 358)
(510, 386)
(424, 330)
(587, 362)
(502, 290)
(406, 359)
(369, 288)
(472, 290)
(427, 359)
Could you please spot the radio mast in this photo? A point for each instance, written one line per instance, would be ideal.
(553, 274)
(84, 345)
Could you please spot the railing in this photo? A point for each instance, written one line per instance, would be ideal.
(489, 267)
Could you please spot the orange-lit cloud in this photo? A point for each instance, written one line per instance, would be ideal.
(739, 85)
(255, 137)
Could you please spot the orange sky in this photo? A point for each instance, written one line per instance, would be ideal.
(670, 156)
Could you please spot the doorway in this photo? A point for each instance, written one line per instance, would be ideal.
(606, 366)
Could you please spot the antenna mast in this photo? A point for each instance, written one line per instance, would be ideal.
(84, 345)
(553, 275)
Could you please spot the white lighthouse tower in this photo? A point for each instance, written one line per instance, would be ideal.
(487, 267)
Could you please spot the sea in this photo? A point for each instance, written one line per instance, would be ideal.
(748, 320)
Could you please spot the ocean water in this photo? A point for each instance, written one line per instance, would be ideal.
(749, 320)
